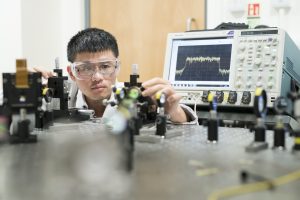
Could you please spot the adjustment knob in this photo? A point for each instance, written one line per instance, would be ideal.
(205, 95)
(48, 94)
(232, 97)
(246, 97)
(160, 98)
(220, 96)
(260, 102)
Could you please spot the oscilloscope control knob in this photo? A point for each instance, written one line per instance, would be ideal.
(232, 97)
(270, 84)
(220, 96)
(239, 84)
(258, 47)
(246, 97)
(257, 62)
(205, 95)
(275, 42)
(241, 57)
(274, 62)
(242, 47)
(248, 84)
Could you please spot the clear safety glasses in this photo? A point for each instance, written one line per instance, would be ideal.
(85, 70)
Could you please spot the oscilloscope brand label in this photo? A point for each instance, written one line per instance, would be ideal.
(230, 33)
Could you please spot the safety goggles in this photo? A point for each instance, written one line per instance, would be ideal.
(86, 69)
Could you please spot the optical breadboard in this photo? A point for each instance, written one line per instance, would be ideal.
(231, 64)
(83, 157)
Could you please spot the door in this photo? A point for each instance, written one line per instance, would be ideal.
(141, 28)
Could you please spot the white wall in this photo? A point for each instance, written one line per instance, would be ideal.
(219, 11)
(38, 30)
(10, 35)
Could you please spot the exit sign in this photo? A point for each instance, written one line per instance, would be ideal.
(253, 9)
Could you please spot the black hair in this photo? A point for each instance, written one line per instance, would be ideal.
(91, 40)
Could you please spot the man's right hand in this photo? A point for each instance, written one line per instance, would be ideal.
(45, 73)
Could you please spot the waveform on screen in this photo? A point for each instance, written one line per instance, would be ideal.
(200, 59)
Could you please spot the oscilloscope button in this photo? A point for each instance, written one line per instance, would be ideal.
(241, 57)
(238, 84)
(270, 84)
(257, 64)
(267, 49)
(259, 84)
(249, 84)
(242, 47)
(258, 47)
(232, 97)
(274, 51)
(273, 63)
(246, 97)
(275, 42)
(257, 61)
(258, 56)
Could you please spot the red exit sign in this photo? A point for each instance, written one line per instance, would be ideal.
(253, 9)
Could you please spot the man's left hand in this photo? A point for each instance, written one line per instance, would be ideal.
(172, 106)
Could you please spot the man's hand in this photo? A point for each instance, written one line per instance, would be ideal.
(45, 73)
(172, 106)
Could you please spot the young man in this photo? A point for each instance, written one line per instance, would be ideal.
(93, 54)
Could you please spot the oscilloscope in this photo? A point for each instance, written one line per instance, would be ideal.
(231, 64)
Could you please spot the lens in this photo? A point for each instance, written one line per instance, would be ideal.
(107, 68)
(85, 70)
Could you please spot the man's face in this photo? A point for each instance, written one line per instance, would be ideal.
(98, 86)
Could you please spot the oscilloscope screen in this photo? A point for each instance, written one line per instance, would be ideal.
(203, 63)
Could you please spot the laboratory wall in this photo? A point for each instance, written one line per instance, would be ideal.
(38, 30)
(10, 34)
(284, 14)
